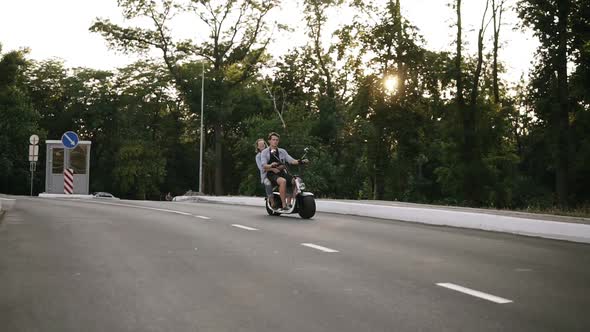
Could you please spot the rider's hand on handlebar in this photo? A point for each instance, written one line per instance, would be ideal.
(303, 161)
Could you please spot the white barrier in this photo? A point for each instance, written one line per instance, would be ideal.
(576, 232)
(7, 204)
(76, 196)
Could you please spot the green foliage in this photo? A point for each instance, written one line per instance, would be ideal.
(366, 142)
(18, 120)
(558, 95)
(139, 169)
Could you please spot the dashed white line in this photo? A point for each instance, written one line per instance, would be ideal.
(475, 293)
(245, 227)
(202, 217)
(315, 246)
(172, 211)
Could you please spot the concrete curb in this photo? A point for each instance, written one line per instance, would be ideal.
(483, 221)
(73, 196)
(7, 204)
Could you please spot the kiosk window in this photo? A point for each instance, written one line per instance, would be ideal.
(57, 157)
(78, 159)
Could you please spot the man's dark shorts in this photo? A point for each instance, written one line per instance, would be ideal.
(274, 176)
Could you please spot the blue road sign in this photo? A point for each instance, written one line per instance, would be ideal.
(69, 139)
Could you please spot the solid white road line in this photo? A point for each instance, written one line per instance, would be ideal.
(145, 207)
(245, 227)
(475, 293)
(315, 246)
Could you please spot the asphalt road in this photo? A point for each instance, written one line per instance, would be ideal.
(150, 266)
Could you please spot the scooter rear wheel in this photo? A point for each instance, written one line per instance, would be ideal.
(270, 211)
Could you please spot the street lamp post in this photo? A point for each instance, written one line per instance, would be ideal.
(202, 133)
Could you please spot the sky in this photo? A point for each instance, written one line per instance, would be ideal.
(59, 29)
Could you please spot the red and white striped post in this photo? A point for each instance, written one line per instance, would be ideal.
(68, 181)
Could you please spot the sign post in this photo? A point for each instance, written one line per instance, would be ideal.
(68, 181)
(33, 157)
(69, 140)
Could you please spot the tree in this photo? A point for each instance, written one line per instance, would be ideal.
(327, 102)
(497, 12)
(18, 120)
(545, 18)
(48, 87)
(394, 121)
(238, 34)
(140, 178)
(459, 58)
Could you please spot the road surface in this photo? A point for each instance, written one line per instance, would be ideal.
(168, 266)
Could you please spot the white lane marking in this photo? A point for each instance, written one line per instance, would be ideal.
(245, 227)
(315, 246)
(475, 293)
(203, 217)
(146, 208)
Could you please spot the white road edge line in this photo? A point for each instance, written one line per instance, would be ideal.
(244, 227)
(475, 293)
(315, 246)
(146, 208)
(202, 217)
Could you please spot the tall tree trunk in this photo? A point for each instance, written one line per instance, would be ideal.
(477, 75)
(395, 9)
(380, 164)
(459, 59)
(473, 185)
(497, 18)
(563, 148)
(319, 50)
(327, 97)
(466, 114)
(472, 181)
(218, 159)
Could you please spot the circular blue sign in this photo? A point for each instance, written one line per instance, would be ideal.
(69, 139)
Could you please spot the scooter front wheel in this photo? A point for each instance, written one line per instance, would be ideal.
(307, 207)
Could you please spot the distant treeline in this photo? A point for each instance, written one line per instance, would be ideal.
(385, 117)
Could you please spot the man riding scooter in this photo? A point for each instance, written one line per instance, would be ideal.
(274, 160)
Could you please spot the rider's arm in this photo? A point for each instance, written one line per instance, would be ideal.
(258, 161)
(290, 159)
(269, 167)
(264, 160)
